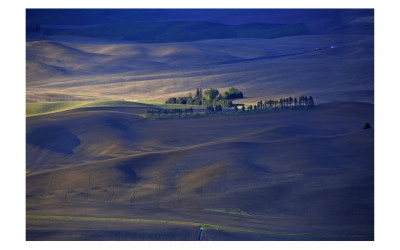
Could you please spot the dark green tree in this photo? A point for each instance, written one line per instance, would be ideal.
(290, 101)
(171, 100)
(211, 94)
(311, 101)
(232, 93)
(218, 108)
(210, 110)
(367, 126)
(189, 100)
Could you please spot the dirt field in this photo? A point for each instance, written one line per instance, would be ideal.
(261, 68)
(96, 169)
(296, 172)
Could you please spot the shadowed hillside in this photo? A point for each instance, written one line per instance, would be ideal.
(182, 31)
(317, 21)
(108, 159)
(284, 170)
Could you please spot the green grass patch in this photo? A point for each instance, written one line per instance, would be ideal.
(33, 109)
(50, 107)
(91, 96)
(151, 102)
(229, 210)
(178, 106)
(205, 226)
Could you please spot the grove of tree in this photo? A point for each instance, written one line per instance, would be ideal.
(215, 103)
(212, 97)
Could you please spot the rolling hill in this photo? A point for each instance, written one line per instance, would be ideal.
(96, 169)
(260, 68)
(317, 21)
(284, 170)
(181, 31)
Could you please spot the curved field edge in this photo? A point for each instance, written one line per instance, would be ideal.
(34, 109)
(205, 226)
(237, 211)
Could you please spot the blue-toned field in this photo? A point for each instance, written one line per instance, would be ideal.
(97, 169)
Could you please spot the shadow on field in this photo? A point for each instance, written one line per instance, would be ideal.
(54, 138)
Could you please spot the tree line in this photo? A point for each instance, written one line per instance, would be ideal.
(302, 101)
(212, 110)
(289, 102)
(170, 111)
(211, 97)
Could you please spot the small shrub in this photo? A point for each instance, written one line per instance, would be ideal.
(367, 126)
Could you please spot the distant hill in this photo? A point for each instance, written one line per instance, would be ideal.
(155, 54)
(92, 16)
(180, 31)
(328, 17)
(209, 23)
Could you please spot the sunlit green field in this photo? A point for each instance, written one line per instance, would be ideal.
(205, 226)
(33, 109)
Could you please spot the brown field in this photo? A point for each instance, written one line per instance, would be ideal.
(107, 173)
(295, 172)
(261, 68)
